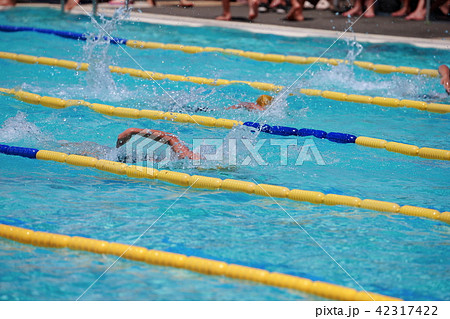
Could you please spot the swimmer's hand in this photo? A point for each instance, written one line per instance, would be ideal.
(126, 135)
(444, 72)
(446, 84)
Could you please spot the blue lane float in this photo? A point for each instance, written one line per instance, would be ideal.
(18, 151)
(336, 137)
(63, 34)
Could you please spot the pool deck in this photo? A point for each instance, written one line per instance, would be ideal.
(382, 28)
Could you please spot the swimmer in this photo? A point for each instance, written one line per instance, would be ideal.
(97, 150)
(444, 72)
(261, 104)
(177, 146)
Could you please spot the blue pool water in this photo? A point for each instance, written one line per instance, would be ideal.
(396, 255)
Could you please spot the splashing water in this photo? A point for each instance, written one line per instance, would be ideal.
(346, 77)
(17, 128)
(99, 80)
(354, 49)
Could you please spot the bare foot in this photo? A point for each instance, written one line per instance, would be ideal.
(253, 9)
(276, 3)
(418, 15)
(7, 3)
(445, 8)
(224, 17)
(295, 14)
(185, 4)
(400, 13)
(370, 13)
(151, 3)
(71, 4)
(355, 11)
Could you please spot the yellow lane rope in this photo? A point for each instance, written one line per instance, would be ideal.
(52, 102)
(279, 58)
(57, 103)
(339, 96)
(211, 183)
(192, 263)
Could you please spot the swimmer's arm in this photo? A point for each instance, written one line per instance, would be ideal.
(246, 105)
(166, 138)
(445, 77)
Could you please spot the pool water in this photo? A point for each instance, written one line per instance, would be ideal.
(396, 255)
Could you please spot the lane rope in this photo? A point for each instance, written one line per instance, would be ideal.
(336, 137)
(212, 183)
(200, 265)
(337, 96)
(258, 56)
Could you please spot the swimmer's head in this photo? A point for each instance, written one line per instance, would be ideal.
(264, 100)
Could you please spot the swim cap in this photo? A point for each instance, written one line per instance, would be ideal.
(264, 100)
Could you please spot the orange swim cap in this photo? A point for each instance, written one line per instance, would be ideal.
(264, 100)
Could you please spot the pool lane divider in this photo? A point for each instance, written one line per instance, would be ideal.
(276, 58)
(59, 33)
(337, 96)
(336, 137)
(196, 264)
(212, 183)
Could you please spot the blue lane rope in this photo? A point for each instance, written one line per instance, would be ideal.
(336, 137)
(63, 34)
(19, 151)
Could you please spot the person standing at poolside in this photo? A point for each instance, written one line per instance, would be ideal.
(421, 11)
(252, 10)
(296, 11)
(358, 7)
(445, 77)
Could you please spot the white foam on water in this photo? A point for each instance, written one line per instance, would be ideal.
(348, 78)
(18, 129)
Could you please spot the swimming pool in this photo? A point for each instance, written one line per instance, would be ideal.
(392, 254)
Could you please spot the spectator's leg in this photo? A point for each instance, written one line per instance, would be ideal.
(296, 12)
(185, 4)
(356, 10)
(253, 9)
(370, 11)
(7, 3)
(70, 4)
(445, 7)
(226, 15)
(403, 11)
(276, 3)
(420, 12)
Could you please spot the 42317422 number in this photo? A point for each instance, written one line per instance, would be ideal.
(407, 310)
